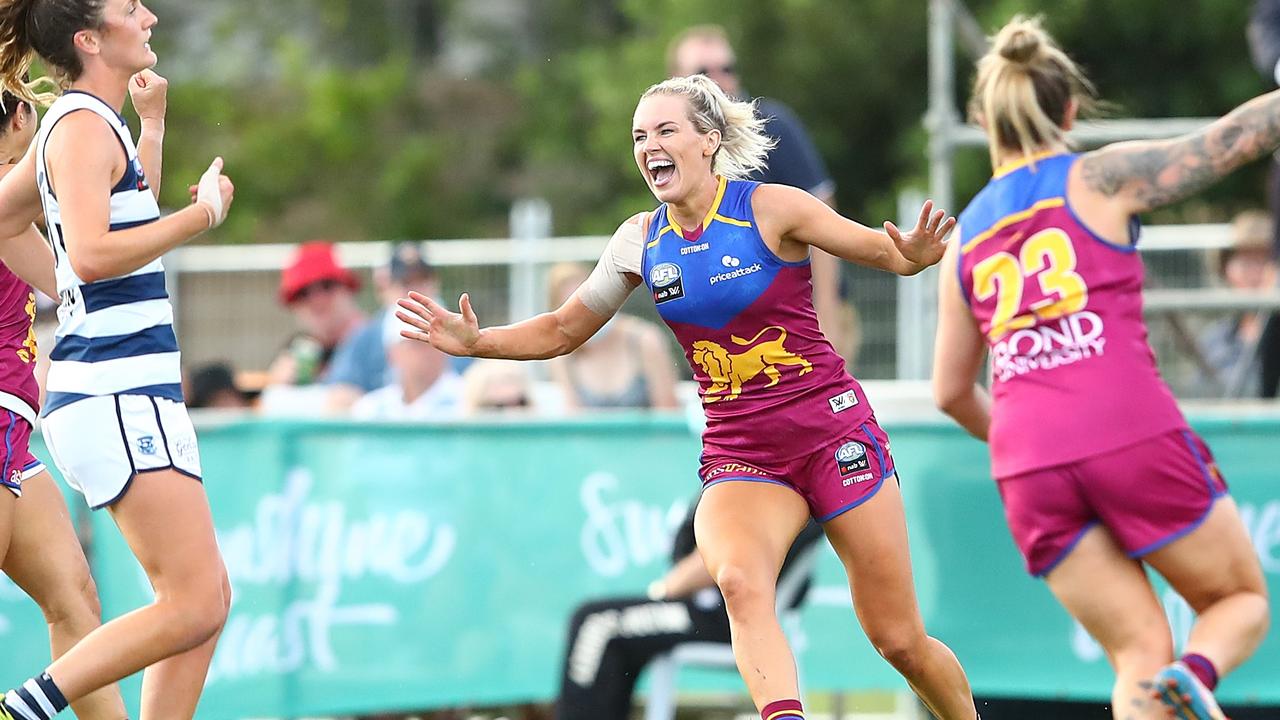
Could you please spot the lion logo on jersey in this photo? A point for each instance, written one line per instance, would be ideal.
(728, 372)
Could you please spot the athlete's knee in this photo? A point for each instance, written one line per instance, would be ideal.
(744, 589)
(1255, 609)
(904, 646)
(72, 602)
(1143, 653)
(198, 608)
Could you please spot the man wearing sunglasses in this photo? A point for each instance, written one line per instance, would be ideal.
(794, 161)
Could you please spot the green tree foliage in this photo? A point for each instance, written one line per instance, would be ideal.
(352, 119)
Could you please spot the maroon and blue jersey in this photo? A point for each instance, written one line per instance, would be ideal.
(1073, 375)
(772, 387)
(19, 391)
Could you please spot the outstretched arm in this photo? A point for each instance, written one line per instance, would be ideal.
(795, 216)
(957, 355)
(541, 337)
(544, 336)
(1144, 175)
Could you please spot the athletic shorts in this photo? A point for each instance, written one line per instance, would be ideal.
(100, 443)
(17, 464)
(1147, 495)
(833, 479)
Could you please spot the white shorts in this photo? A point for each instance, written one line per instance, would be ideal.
(100, 443)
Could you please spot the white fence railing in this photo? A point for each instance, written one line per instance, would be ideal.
(227, 307)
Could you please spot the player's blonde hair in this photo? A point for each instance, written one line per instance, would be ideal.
(744, 148)
(1024, 88)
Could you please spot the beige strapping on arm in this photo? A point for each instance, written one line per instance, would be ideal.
(618, 271)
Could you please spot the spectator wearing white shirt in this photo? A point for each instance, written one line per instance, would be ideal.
(426, 387)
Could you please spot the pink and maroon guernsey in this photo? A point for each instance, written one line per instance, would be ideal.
(772, 387)
(19, 391)
(1073, 375)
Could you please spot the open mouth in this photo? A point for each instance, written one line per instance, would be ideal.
(661, 170)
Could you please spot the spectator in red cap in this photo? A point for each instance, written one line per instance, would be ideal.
(320, 293)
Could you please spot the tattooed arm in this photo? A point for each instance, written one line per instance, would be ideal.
(1146, 175)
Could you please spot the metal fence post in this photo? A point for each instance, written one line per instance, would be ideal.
(530, 227)
(918, 296)
(917, 304)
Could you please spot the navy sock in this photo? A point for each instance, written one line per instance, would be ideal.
(38, 699)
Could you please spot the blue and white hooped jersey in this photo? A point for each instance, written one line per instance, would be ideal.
(115, 336)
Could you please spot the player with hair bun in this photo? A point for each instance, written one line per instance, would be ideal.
(1097, 468)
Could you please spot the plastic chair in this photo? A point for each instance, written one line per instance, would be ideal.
(664, 670)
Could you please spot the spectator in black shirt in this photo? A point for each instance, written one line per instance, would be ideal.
(605, 655)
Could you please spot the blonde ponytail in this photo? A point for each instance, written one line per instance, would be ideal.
(744, 148)
(1024, 88)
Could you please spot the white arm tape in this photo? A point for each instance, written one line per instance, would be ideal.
(615, 276)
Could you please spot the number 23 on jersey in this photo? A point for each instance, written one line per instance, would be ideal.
(1049, 257)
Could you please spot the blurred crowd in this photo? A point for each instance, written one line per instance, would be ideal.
(344, 361)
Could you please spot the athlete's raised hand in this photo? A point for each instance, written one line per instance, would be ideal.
(927, 241)
(149, 91)
(449, 332)
(214, 192)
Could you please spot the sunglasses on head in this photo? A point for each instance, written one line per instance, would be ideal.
(322, 286)
(720, 70)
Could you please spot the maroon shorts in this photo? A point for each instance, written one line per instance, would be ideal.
(833, 479)
(1146, 495)
(16, 461)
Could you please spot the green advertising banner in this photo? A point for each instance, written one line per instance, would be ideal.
(392, 567)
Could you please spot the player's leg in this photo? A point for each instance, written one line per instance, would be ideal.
(45, 560)
(1164, 501)
(165, 519)
(871, 540)
(854, 491)
(744, 530)
(1216, 570)
(146, 474)
(1109, 594)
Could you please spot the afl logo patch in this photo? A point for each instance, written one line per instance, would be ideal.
(666, 283)
(852, 458)
(664, 274)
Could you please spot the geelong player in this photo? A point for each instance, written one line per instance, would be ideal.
(114, 419)
(44, 556)
(1098, 470)
(789, 434)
